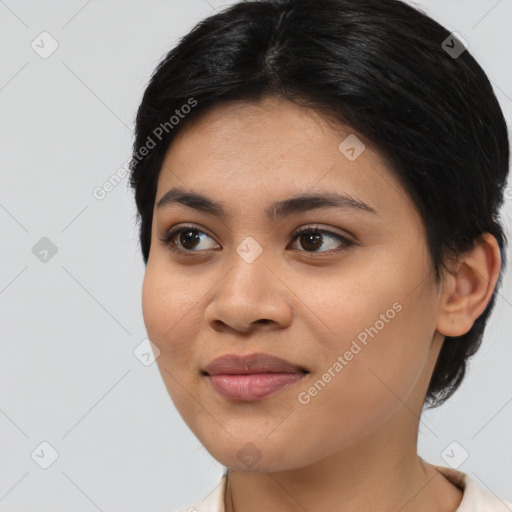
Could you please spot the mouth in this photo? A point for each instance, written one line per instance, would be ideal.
(254, 386)
(252, 377)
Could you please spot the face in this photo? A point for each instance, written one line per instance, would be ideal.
(351, 302)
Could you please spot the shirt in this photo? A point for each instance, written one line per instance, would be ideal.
(474, 498)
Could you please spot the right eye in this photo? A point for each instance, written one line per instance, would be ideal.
(189, 237)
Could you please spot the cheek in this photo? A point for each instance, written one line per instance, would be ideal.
(169, 321)
(380, 329)
(169, 312)
(153, 310)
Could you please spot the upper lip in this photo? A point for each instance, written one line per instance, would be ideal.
(234, 364)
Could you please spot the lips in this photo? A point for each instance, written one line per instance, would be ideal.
(232, 364)
(251, 377)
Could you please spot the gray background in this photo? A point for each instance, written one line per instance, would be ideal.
(70, 325)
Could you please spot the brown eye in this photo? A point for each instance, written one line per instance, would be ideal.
(184, 239)
(187, 239)
(312, 239)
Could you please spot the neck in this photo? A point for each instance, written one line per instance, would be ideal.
(381, 473)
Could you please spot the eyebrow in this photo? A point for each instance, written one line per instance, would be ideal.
(277, 210)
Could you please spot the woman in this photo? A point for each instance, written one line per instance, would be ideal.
(318, 185)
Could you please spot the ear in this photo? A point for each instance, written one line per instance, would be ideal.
(468, 291)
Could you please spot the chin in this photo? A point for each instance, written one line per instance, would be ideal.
(253, 454)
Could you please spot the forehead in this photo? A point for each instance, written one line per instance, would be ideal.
(269, 126)
(241, 150)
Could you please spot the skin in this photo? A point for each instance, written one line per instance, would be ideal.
(358, 434)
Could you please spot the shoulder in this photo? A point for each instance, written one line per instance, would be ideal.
(474, 498)
(212, 502)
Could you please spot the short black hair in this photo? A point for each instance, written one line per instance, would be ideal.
(400, 80)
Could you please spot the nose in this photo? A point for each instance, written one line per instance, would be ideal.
(250, 296)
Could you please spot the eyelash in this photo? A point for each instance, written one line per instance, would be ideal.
(167, 239)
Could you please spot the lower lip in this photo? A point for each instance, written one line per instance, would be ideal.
(254, 386)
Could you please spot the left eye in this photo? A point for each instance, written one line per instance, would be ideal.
(311, 238)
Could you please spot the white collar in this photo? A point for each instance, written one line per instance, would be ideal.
(474, 498)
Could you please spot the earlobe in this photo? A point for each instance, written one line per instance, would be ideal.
(469, 290)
